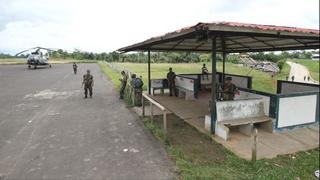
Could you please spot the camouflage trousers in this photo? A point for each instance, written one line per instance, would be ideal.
(172, 89)
(86, 89)
(122, 88)
(138, 97)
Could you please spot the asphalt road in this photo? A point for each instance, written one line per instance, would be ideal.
(48, 131)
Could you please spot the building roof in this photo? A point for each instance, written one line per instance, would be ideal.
(232, 37)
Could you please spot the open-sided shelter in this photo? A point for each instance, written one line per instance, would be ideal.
(228, 37)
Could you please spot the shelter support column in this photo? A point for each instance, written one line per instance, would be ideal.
(213, 83)
(224, 55)
(149, 75)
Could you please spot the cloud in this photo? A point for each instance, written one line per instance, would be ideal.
(99, 25)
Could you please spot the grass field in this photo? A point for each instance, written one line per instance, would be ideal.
(312, 66)
(196, 156)
(261, 81)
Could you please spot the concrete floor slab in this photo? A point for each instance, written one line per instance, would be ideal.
(269, 144)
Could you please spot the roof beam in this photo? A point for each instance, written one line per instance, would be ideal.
(301, 42)
(279, 35)
(263, 42)
(179, 42)
(199, 45)
(274, 49)
(236, 42)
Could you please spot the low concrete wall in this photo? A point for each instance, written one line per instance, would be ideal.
(297, 110)
(287, 87)
(185, 83)
(229, 110)
(238, 80)
(265, 97)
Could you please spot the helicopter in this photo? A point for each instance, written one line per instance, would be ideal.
(37, 57)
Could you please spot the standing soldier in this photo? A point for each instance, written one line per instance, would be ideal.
(204, 72)
(75, 67)
(229, 90)
(88, 84)
(137, 85)
(292, 78)
(123, 81)
(308, 78)
(171, 76)
(131, 88)
(304, 78)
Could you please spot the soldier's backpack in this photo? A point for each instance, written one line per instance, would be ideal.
(138, 83)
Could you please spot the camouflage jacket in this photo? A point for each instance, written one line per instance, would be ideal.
(87, 80)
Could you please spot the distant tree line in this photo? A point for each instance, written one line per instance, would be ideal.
(169, 57)
(8, 56)
(177, 57)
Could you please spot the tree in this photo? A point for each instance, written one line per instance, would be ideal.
(281, 64)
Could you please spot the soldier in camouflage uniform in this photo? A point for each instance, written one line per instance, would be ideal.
(123, 81)
(171, 76)
(229, 90)
(131, 88)
(88, 84)
(75, 67)
(204, 72)
(138, 91)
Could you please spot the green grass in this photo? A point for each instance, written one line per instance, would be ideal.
(261, 81)
(312, 66)
(111, 74)
(12, 61)
(284, 72)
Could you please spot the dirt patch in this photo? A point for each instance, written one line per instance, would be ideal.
(196, 146)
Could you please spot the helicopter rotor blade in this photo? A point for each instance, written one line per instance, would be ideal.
(36, 49)
(46, 49)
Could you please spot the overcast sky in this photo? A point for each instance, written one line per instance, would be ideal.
(106, 25)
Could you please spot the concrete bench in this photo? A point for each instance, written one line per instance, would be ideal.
(187, 94)
(159, 84)
(240, 114)
(158, 88)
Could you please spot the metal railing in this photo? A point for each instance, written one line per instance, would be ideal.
(154, 103)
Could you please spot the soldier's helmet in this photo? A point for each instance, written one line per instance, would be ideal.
(88, 71)
(170, 68)
(133, 76)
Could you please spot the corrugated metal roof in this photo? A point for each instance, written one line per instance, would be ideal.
(238, 37)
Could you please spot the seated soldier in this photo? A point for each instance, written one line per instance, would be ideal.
(204, 72)
(228, 90)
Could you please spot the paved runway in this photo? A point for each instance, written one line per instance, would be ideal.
(48, 131)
